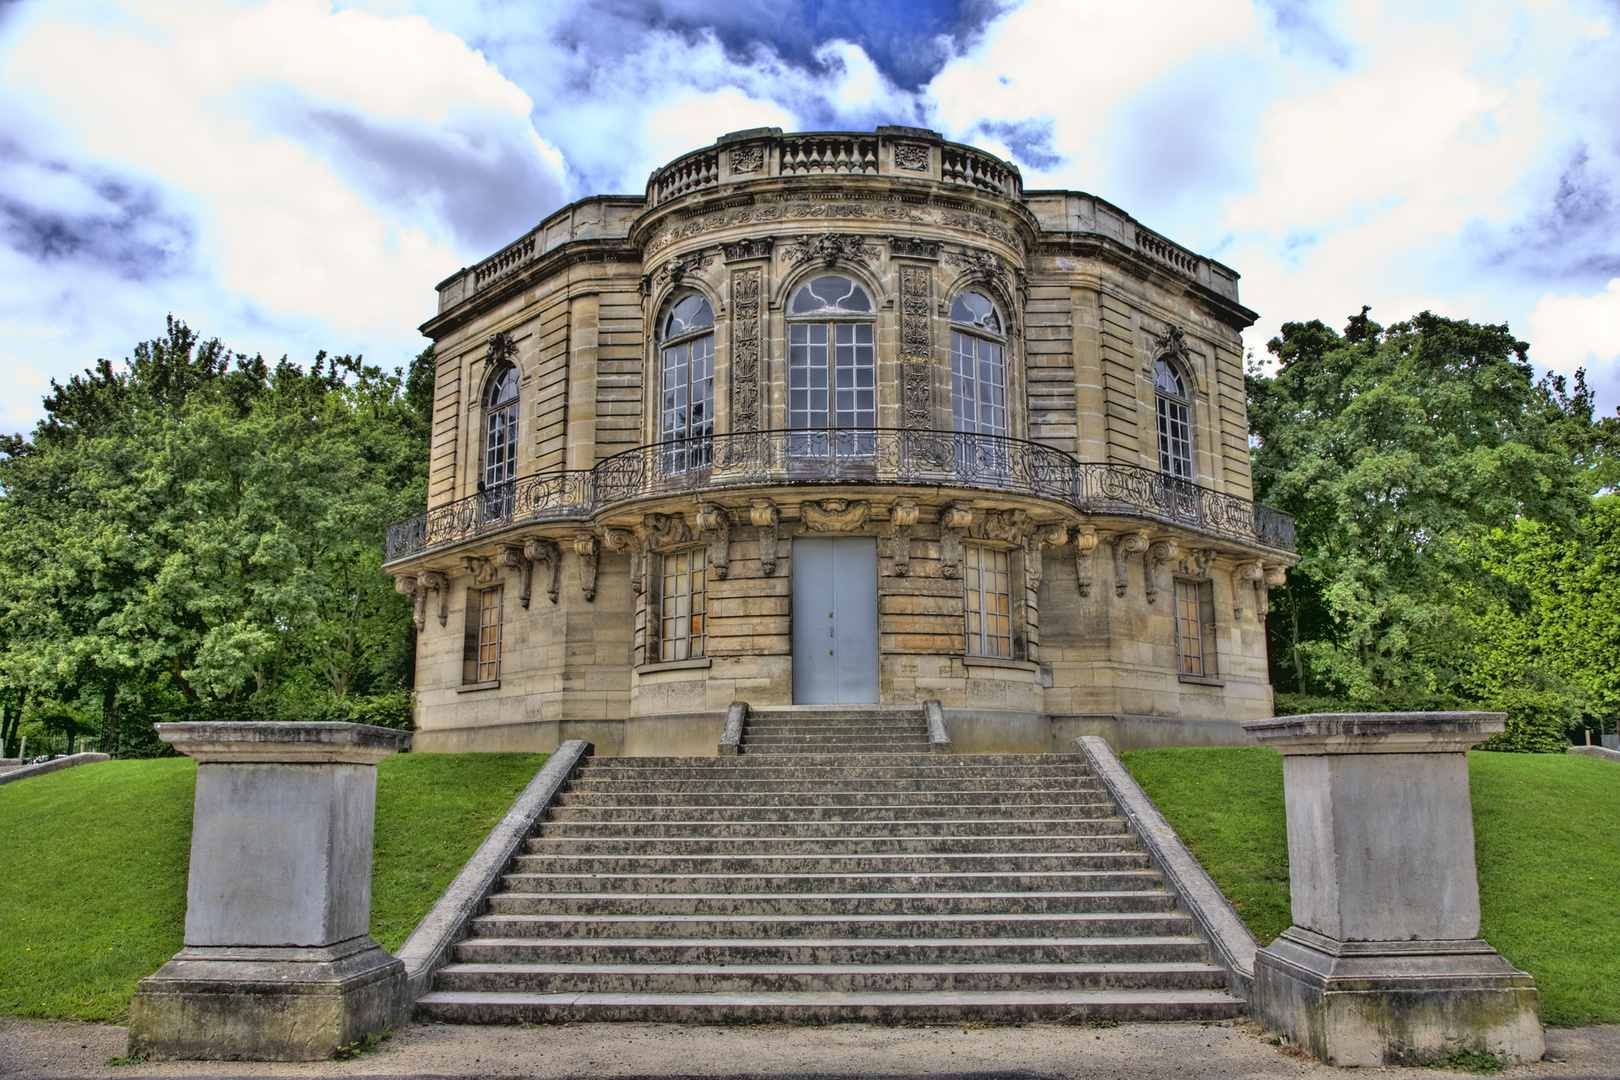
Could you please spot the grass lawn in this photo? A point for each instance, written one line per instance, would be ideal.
(1547, 842)
(93, 896)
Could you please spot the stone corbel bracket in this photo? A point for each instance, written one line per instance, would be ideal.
(1273, 577)
(405, 585)
(512, 557)
(1125, 545)
(954, 520)
(714, 523)
(437, 582)
(1085, 543)
(1045, 536)
(546, 554)
(764, 516)
(1245, 580)
(617, 539)
(1161, 552)
(585, 548)
(836, 515)
(903, 518)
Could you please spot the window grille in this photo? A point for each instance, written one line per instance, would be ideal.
(682, 602)
(1195, 628)
(988, 578)
(1175, 422)
(687, 384)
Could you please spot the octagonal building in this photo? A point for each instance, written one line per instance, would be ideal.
(839, 419)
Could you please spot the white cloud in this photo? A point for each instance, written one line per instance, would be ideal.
(695, 119)
(1568, 332)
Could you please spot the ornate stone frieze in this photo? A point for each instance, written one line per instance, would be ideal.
(512, 557)
(752, 248)
(912, 157)
(1085, 544)
(1162, 551)
(1043, 537)
(954, 520)
(830, 249)
(835, 515)
(903, 518)
(906, 247)
(747, 348)
(585, 548)
(885, 211)
(714, 523)
(747, 159)
(1246, 578)
(616, 539)
(433, 580)
(544, 553)
(1125, 545)
(763, 515)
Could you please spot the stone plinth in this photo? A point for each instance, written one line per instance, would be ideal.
(1384, 965)
(277, 964)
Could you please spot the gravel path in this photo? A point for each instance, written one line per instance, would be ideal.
(1150, 1051)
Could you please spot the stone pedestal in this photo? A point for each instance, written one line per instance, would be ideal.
(1384, 965)
(277, 964)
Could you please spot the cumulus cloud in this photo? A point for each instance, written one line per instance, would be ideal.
(1574, 331)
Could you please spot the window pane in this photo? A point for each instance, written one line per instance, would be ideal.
(682, 606)
(1175, 438)
(1189, 628)
(988, 582)
(489, 634)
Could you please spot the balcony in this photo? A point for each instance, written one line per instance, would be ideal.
(755, 459)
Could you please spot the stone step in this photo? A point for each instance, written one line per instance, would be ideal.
(822, 713)
(891, 784)
(629, 827)
(545, 881)
(828, 726)
(879, 950)
(822, 978)
(943, 766)
(972, 796)
(943, 813)
(814, 1008)
(1061, 924)
(997, 862)
(875, 740)
(757, 846)
(875, 761)
(829, 903)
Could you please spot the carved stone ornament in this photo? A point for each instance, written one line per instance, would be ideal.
(956, 519)
(677, 270)
(835, 515)
(747, 159)
(501, 348)
(512, 557)
(752, 248)
(626, 540)
(1043, 537)
(1246, 577)
(436, 582)
(910, 156)
(981, 266)
(1125, 545)
(585, 548)
(1161, 552)
(1201, 560)
(482, 568)
(665, 530)
(714, 523)
(747, 347)
(545, 554)
(1004, 525)
(405, 585)
(830, 249)
(903, 518)
(1173, 342)
(1274, 577)
(906, 247)
(1085, 543)
(763, 515)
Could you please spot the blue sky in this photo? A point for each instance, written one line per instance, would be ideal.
(298, 174)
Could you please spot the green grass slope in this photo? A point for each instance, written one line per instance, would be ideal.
(93, 894)
(1544, 828)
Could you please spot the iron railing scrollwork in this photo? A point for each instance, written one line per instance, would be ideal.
(873, 455)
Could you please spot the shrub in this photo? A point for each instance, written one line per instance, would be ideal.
(1536, 722)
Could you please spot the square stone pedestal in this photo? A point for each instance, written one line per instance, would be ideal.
(1384, 965)
(277, 965)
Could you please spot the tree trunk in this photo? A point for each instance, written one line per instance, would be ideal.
(109, 716)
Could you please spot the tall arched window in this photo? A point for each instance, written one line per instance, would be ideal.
(686, 383)
(1175, 421)
(978, 366)
(832, 369)
(500, 441)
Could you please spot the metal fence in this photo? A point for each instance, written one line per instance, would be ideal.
(872, 455)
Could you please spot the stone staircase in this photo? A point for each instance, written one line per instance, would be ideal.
(833, 871)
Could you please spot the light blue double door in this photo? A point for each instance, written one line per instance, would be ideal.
(835, 621)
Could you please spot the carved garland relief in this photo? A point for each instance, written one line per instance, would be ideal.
(747, 332)
(916, 347)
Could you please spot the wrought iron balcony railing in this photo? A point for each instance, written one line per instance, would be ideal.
(857, 455)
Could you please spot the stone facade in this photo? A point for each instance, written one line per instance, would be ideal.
(1106, 492)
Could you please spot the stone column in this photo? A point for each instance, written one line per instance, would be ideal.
(1384, 965)
(277, 964)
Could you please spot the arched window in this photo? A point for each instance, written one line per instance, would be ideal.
(832, 369)
(686, 384)
(500, 428)
(1175, 421)
(978, 366)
